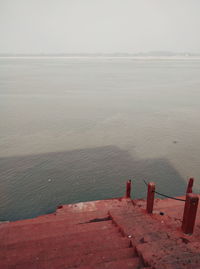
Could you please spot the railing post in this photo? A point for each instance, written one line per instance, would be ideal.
(190, 185)
(189, 214)
(128, 189)
(150, 197)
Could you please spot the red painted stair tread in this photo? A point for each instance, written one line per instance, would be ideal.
(131, 263)
(39, 231)
(61, 249)
(76, 261)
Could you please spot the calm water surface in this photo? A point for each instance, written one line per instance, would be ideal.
(76, 129)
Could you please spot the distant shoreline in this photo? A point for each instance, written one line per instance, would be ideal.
(103, 57)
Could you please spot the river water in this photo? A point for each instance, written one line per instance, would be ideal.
(75, 129)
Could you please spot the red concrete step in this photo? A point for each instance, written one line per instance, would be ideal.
(100, 205)
(70, 218)
(169, 254)
(131, 263)
(86, 210)
(79, 236)
(62, 248)
(10, 235)
(29, 254)
(82, 217)
(91, 209)
(76, 260)
(137, 225)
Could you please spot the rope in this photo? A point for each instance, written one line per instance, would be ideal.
(161, 194)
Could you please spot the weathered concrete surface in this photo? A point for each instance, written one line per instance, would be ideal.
(164, 245)
(75, 236)
(112, 234)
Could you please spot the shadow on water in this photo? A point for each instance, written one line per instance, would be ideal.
(35, 184)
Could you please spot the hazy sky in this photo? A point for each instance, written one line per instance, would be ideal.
(72, 26)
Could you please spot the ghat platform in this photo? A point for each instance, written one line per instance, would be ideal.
(107, 234)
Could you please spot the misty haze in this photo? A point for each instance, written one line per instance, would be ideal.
(93, 93)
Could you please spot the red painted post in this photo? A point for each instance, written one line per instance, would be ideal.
(150, 197)
(190, 185)
(189, 214)
(128, 189)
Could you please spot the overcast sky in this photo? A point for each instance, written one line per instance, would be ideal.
(73, 26)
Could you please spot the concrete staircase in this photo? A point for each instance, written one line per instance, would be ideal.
(80, 236)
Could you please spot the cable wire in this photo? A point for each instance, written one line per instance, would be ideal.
(161, 194)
